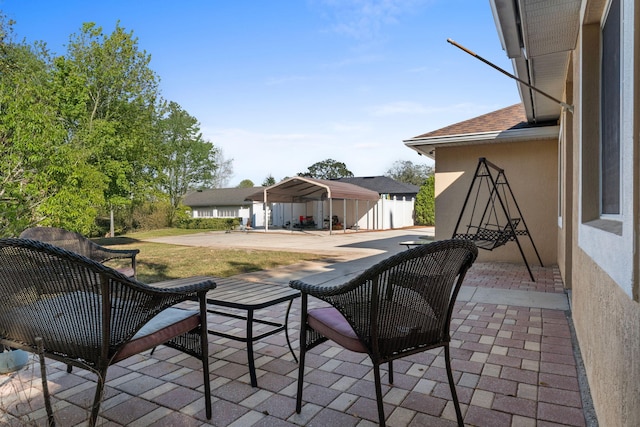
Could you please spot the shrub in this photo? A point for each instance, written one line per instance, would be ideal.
(425, 203)
(208, 223)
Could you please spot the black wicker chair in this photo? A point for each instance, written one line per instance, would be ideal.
(69, 308)
(398, 307)
(79, 244)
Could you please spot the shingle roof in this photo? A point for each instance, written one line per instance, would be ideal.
(220, 197)
(509, 118)
(505, 125)
(382, 184)
(301, 189)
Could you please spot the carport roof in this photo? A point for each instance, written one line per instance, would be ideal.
(301, 189)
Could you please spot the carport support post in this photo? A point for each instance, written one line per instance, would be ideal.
(355, 217)
(330, 216)
(266, 214)
(344, 215)
(291, 215)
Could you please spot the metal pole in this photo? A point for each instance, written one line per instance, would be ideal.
(112, 232)
(344, 215)
(563, 104)
(330, 216)
(266, 214)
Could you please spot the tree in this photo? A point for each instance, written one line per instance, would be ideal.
(409, 173)
(327, 169)
(30, 133)
(188, 160)
(269, 181)
(224, 170)
(107, 98)
(425, 206)
(246, 183)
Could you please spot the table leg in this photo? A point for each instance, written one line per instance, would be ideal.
(252, 364)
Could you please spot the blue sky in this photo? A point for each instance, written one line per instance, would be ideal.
(279, 85)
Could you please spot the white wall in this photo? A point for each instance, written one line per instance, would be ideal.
(254, 212)
(381, 215)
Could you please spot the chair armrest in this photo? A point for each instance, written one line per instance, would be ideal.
(320, 291)
(106, 254)
(188, 290)
(123, 253)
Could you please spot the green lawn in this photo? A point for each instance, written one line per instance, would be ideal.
(160, 261)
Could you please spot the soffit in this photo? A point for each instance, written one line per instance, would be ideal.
(539, 36)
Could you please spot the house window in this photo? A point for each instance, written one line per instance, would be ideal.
(228, 212)
(610, 112)
(204, 213)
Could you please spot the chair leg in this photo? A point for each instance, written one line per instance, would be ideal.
(390, 371)
(205, 377)
(204, 354)
(376, 374)
(452, 386)
(300, 378)
(95, 409)
(303, 350)
(51, 422)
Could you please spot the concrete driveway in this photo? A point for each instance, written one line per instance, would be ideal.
(348, 253)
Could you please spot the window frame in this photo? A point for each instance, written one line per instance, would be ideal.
(611, 78)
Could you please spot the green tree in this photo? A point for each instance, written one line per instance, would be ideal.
(188, 160)
(246, 183)
(409, 172)
(30, 133)
(107, 100)
(269, 181)
(327, 169)
(425, 206)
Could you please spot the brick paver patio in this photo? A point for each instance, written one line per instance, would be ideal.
(513, 366)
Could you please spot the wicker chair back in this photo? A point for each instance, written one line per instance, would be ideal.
(400, 306)
(79, 244)
(67, 307)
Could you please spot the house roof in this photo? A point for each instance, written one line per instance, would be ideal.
(301, 189)
(505, 125)
(382, 184)
(512, 117)
(220, 197)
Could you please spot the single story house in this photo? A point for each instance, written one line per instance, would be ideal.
(226, 203)
(387, 187)
(571, 151)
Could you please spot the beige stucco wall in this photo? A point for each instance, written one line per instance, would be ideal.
(607, 324)
(605, 316)
(532, 171)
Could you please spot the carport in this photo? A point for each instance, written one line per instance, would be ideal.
(301, 190)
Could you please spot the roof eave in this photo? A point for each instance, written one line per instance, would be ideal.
(427, 146)
(539, 37)
(504, 16)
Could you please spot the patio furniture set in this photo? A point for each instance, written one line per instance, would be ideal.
(58, 300)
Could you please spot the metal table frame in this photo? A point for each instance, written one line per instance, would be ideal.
(250, 296)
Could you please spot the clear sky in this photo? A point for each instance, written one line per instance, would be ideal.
(279, 85)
